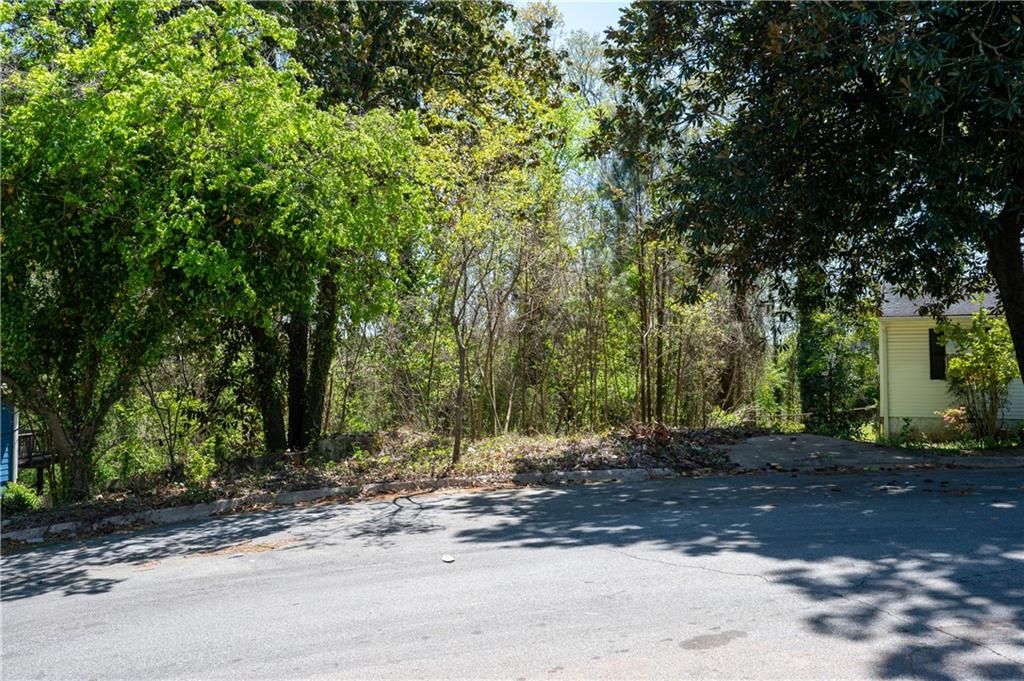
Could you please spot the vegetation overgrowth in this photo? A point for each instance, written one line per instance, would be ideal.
(403, 456)
(238, 232)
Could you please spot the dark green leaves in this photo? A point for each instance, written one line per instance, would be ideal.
(867, 141)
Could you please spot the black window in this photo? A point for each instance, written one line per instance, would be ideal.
(936, 356)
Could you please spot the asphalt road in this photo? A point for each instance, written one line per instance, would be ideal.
(917, 575)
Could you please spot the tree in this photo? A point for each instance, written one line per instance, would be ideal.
(835, 363)
(496, 156)
(838, 145)
(372, 179)
(584, 63)
(388, 54)
(365, 55)
(159, 174)
(981, 368)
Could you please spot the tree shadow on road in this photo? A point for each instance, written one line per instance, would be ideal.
(95, 566)
(924, 559)
(931, 562)
(98, 565)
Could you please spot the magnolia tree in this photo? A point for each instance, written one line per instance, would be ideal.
(837, 145)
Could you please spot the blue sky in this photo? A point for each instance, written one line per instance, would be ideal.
(592, 16)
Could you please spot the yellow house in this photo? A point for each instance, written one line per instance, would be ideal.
(912, 369)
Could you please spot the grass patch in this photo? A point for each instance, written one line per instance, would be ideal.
(919, 442)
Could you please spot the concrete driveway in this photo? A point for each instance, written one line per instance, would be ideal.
(805, 452)
(910, 575)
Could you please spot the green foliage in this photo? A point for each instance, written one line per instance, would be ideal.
(387, 54)
(719, 418)
(155, 173)
(703, 328)
(222, 218)
(844, 143)
(201, 464)
(907, 432)
(777, 393)
(161, 174)
(18, 499)
(981, 368)
(836, 367)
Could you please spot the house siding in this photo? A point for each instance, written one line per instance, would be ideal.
(907, 390)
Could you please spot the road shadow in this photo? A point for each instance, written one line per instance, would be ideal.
(925, 556)
(70, 568)
(933, 560)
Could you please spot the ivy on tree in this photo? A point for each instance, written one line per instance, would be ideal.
(160, 173)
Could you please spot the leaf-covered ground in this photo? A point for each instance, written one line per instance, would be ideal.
(411, 456)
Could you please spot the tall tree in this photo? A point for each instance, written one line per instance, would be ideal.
(367, 55)
(388, 54)
(497, 176)
(842, 143)
(158, 174)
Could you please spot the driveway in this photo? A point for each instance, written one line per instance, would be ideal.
(909, 575)
(805, 452)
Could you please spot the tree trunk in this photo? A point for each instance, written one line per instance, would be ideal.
(678, 386)
(645, 374)
(1007, 267)
(659, 339)
(457, 318)
(324, 339)
(72, 428)
(330, 401)
(271, 407)
(298, 360)
(80, 475)
(76, 464)
(428, 412)
(460, 396)
(489, 388)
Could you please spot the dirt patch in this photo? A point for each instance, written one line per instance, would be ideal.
(247, 547)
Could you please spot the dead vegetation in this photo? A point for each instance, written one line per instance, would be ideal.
(405, 455)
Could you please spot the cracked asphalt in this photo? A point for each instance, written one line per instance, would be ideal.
(909, 575)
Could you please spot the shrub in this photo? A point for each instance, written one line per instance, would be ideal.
(980, 369)
(18, 499)
(955, 423)
(720, 418)
(201, 463)
(777, 396)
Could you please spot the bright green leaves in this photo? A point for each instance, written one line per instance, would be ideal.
(980, 368)
(377, 206)
(164, 168)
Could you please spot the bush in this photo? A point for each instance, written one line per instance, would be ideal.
(980, 370)
(18, 499)
(201, 464)
(955, 422)
(719, 418)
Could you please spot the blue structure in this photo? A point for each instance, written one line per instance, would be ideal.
(8, 443)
